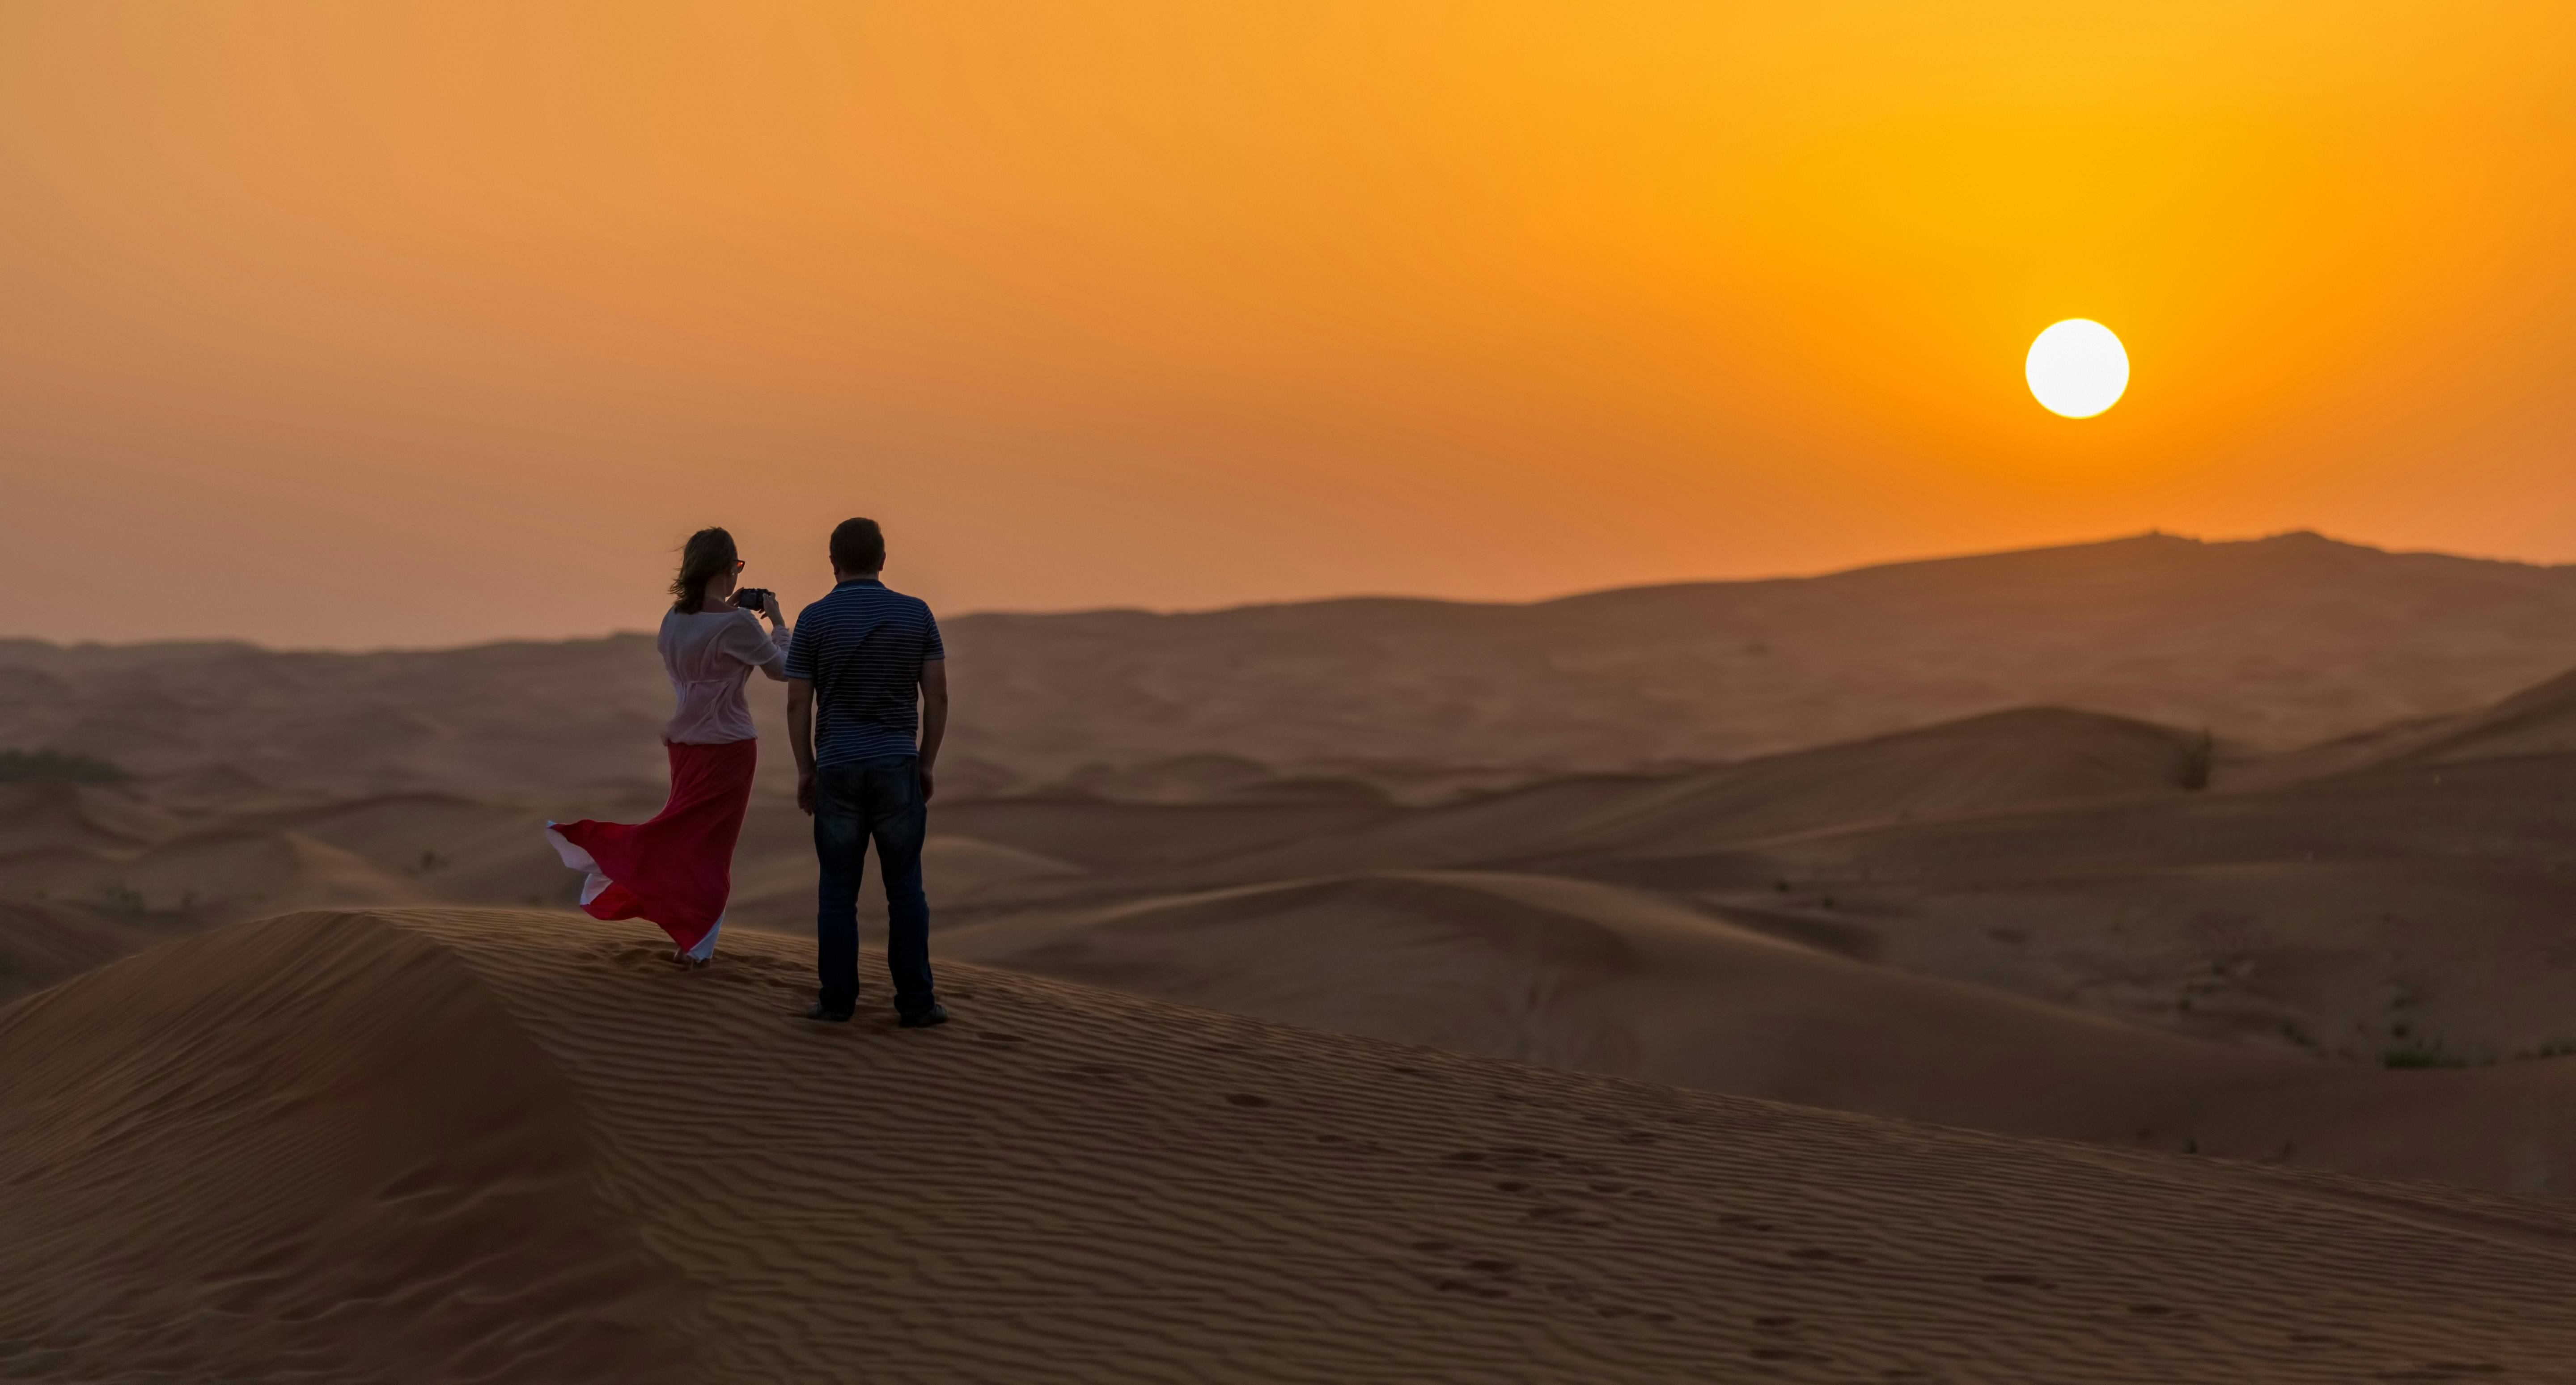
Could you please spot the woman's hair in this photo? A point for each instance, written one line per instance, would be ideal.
(709, 554)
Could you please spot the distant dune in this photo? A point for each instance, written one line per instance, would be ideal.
(2022, 760)
(2272, 644)
(2534, 721)
(515, 1147)
(1590, 976)
(2269, 644)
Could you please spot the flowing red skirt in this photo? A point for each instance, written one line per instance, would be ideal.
(677, 869)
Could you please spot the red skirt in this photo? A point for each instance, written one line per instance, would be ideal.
(677, 869)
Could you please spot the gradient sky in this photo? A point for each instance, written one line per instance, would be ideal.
(340, 325)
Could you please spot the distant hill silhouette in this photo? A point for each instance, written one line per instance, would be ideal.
(2270, 644)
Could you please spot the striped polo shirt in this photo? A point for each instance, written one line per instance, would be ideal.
(863, 647)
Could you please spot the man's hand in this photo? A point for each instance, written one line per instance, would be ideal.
(934, 716)
(805, 791)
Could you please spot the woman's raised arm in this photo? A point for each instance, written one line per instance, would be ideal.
(765, 650)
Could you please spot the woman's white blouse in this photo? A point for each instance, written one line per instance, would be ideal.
(709, 655)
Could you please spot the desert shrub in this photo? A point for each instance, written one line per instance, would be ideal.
(2418, 1056)
(56, 767)
(2198, 756)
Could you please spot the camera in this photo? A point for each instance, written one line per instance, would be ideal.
(752, 598)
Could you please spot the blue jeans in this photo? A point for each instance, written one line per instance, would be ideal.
(878, 799)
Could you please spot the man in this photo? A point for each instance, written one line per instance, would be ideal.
(855, 665)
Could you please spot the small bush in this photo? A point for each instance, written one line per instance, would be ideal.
(2199, 756)
(2418, 1056)
(56, 767)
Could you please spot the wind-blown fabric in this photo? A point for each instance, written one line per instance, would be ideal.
(677, 869)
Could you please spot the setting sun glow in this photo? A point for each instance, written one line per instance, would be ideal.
(2077, 368)
(1113, 304)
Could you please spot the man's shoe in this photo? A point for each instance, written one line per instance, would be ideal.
(923, 1019)
(829, 1015)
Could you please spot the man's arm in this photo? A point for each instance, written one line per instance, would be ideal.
(934, 716)
(800, 738)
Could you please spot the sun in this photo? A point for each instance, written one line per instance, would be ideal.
(2077, 368)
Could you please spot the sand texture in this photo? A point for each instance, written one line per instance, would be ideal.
(448, 1145)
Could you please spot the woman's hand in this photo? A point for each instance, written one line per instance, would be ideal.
(769, 608)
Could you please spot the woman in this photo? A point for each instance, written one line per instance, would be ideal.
(677, 869)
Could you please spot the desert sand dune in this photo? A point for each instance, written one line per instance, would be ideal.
(218, 872)
(2274, 643)
(1616, 981)
(434, 1145)
(2539, 720)
(1150, 839)
(2006, 761)
(2271, 644)
(90, 873)
(42, 943)
(302, 1149)
(2412, 908)
(53, 817)
(2003, 762)
(1588, 976)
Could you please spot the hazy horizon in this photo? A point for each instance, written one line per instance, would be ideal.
(795, 595)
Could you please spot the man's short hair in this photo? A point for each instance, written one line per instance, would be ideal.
(858, 546)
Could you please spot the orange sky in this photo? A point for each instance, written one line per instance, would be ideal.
(337, 324)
